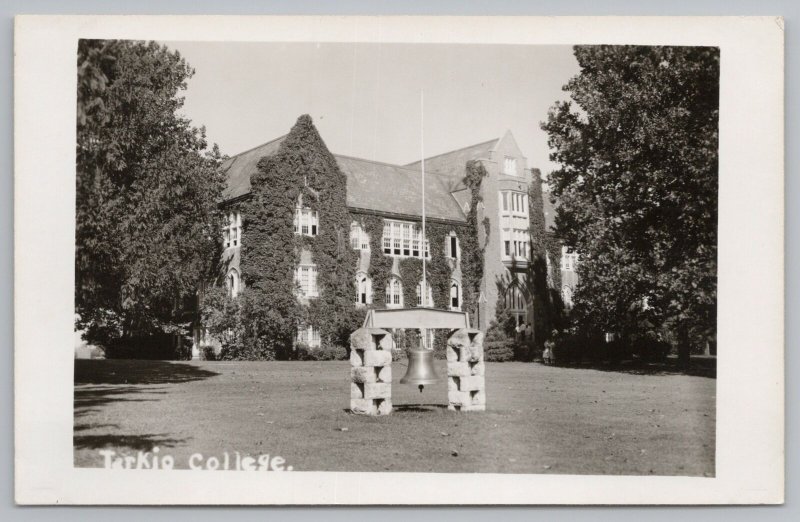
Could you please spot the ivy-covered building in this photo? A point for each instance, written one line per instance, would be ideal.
(349, 230)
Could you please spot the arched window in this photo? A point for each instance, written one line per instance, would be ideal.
(566, 296)
(517, 304)
(429, 300)
(233, 282)
(394, 293)
(363, 289)
(455, 296)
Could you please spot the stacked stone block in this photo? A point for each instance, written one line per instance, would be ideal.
(371, 371)
(466, 381)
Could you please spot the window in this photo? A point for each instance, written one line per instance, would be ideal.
(232, 234)
(517, 304)
(403, 239)
(429, 295)
(510, 166)
(394, 293)
(306, 278)
(452, 246)
(363, 289)
(569, 260)
(306, 221)
(308, 336)
(232, 282)
(514, 224)
(359, 240)
(566, 297)
(455, 297)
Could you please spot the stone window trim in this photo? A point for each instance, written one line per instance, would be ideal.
(309, 336)
(394, 293)
(359, 239)
(306, 221)
(232, 233)
(306, 280)
(233, 282)
(363, 289)
(403, 239)
(429, 295)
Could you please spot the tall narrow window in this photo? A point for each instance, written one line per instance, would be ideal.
(394, 293)
(232, 233)
(428, 295)
(455, 297)
(233, 283)
(363, 289)
(566, 297)
(453, 246)
(306, 278)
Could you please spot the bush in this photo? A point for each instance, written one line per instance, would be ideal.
(304, 352)
(499, 351)
(157, 346)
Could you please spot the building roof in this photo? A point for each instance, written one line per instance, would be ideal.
(454, 162)
(387, 188)
(383, 187)
(238, 168)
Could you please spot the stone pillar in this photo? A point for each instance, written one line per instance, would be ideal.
(466, 382)
(371, 371)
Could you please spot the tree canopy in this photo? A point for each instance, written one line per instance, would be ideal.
(147, 223)
(636, 191)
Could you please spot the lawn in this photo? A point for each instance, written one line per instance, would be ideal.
(539, 419)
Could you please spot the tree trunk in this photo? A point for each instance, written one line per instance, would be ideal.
(684, 350)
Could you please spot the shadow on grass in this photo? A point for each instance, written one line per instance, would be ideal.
(119, 371)
(401, 408)
(700, 367)
(123, 442)
(89, 397)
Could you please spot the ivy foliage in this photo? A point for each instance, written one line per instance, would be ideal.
(472, 254)
(302, 169)
(147, 219)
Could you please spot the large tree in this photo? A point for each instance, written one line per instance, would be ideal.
(636, 190)
(147, 223)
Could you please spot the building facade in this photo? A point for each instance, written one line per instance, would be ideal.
(493, 217)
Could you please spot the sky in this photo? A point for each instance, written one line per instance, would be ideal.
(365, 98)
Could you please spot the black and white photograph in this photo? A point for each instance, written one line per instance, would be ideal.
(398, 257)
(277, 243)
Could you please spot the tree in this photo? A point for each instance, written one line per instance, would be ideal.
(147, 223)
(637, 186)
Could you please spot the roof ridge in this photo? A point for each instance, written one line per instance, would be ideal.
(273, 140)
(394, 165)
(455, 150)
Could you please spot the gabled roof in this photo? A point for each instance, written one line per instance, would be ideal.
(238, 168)
(383, 187)
(453, 163)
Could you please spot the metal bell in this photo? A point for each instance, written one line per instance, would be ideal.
(420, 369)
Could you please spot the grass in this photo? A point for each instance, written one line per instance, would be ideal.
(539, 419)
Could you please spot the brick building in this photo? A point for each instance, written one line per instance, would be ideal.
(393, 194)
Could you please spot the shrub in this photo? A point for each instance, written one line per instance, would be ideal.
(303, 352)
(499, 351)
(156, 346)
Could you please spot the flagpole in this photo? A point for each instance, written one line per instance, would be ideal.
(422, 151)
